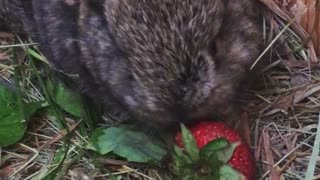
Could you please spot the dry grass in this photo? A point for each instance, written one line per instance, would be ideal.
(281, 121)
(285, 113)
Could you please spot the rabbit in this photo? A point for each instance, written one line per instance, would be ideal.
(161, 62)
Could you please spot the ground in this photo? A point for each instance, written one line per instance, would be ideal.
(280, 122)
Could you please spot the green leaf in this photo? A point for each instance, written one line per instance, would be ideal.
(12, 122)
(189, 143)
(37, 55)
(67, 99)
(213, 146)
(228, 173)
(129, 143)
(225, 154)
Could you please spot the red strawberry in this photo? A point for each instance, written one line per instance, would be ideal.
(227, 152)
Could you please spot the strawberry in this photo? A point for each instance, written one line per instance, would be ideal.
(212, 150)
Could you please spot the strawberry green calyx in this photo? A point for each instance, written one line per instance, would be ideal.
(209, 162)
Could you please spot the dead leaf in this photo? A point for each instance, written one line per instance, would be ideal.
(284, 103)
(274, 175)
(304, 93)
(3, 56)
(257, 152)
(6, 35)
(245, 128)
(298, 64)
(285, 15)
(298, 8)
(307, 13)
(6, 171)
(63, 133)
(299, 80)
(310, 21)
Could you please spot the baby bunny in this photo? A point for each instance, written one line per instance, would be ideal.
(158, 61)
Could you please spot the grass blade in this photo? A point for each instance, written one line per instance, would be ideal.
(315, 153)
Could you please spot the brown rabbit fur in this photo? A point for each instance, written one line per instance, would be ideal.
(159, 61)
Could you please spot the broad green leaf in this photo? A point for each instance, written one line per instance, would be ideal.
(68, 100)
(11, 129)
(213, 146)
(225, 154)
(127, 142)
(228, 173)
(189, 144)
(12, 122)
